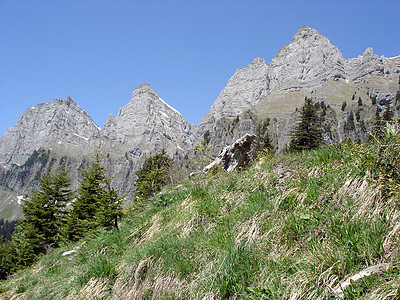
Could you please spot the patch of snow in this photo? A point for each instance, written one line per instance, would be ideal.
(347, 81)
(19, 199)
(32, 107)
(59, 142)
(82, 137)
(398, 56)
(164, 114)
(173, 109)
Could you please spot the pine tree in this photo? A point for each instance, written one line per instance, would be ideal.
(153, 175)
(307, 134)
(46, 209)
(388, 115)
(97, 203)
(7, 259)
(44, 219)
(349, 125)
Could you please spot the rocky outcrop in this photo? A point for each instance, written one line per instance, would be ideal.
(60, 123)
(368, 64)
(235, 156)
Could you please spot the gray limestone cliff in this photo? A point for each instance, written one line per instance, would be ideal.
(307, 64)
(60, 133)
(148, 124)
(245, 88)
(58, 123)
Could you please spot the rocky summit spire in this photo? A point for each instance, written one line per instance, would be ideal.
(308, 61)
(149, 124)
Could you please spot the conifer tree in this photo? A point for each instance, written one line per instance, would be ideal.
(153, 175)
(307, 134)
(97, 203)
(44, 218)
(46, 211)
(388, 115)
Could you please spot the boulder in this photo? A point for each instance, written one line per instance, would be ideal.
(234, 156)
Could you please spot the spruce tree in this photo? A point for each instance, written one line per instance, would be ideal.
(307, 134)
(44, 219)
(97, 203)
(46, 210)
(153, 175)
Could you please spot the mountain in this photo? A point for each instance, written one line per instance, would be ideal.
(60, 123)
(307, 66)
(349, 90)
(61, 133)
(148, 124)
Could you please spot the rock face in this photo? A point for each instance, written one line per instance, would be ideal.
(370, 64)
(245, 89)
(60, 122)
(148, 124)
(235, 156)
(307, 63)
(61, 133)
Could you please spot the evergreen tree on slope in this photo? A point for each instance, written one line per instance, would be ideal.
(44, 218)
(153, 175)
(97, 203)
(307, 134)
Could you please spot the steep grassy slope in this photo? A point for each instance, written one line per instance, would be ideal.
(289, 227)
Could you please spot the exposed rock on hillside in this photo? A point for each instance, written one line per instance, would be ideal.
(245, 89)
(235, 156)
(308, 61)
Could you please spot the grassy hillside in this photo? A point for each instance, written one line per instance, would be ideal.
(293, 226)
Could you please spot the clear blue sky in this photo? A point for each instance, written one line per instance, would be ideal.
(98, 51)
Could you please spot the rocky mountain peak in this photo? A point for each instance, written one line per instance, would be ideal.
(147, 123)
(368, 52)
(245, 88)
(144, 89)
(305, 32)
(59, 122)
(308, 61)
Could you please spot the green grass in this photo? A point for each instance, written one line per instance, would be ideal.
(8, 210)
(289, 227)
